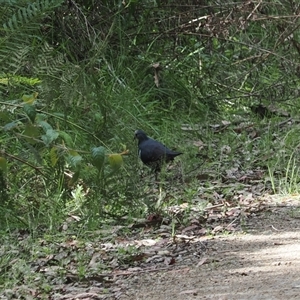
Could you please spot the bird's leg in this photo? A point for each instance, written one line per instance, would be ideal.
(156, 175)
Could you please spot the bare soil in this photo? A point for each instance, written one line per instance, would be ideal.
(262, 262)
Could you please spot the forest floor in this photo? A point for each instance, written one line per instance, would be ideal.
(260, 259)
(262, 263)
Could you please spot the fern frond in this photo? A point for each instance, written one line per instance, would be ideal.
(48, 63)
(26, 15)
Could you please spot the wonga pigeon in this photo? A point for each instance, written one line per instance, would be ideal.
(153, 153)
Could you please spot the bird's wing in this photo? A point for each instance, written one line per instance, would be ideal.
(152, 151)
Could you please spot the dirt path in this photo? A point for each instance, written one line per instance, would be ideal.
(263, 263)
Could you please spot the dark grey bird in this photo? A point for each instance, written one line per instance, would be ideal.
(153, 153)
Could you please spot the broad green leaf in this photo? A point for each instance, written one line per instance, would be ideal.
(11, 125)
(3, 164)
(50, 136)
(45, 125)
(31, 132)
(30, 111)
(75, 160)
(115, 161)
(53, 156)
(98, 154)
(29, 99)
(73, 152)
(40, 117)
(66, 137)
(124, 147)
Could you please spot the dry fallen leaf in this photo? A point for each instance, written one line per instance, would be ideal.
(202, 262)
(169, 261)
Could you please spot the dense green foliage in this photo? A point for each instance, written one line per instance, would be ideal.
(78, 77)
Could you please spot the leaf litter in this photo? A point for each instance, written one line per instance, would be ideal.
(174, 239)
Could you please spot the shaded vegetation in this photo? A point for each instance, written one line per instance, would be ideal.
(217, 82)
(79, 77)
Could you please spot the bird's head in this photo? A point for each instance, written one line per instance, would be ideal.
(140, 135)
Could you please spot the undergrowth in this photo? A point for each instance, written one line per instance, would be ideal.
(69, 110)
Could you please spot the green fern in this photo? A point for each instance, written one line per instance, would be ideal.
(48, 61)
(26, 15)
(21, 49)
